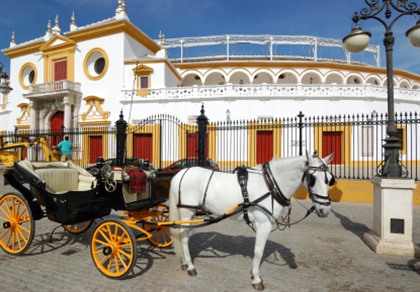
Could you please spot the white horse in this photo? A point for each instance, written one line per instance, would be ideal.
(269, 189)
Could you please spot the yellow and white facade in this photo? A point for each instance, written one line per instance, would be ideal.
(92, 72)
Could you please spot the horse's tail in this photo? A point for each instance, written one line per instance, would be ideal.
(174, 215)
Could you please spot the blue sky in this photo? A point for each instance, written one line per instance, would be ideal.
(186, 18)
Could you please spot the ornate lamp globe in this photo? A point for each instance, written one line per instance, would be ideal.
(4, 85)
(413, 35)
(357, 40)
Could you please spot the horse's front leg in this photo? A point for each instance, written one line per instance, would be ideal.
(263, 230)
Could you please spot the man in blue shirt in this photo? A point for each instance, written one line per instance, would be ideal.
(65, 147)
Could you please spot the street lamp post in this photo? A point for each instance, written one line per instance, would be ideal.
(393, 196)
(4, 81)
(358, 40)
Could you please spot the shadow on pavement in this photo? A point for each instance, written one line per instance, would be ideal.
(213, 244)
(355, 227)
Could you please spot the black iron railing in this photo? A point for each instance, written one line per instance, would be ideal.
(356, 141)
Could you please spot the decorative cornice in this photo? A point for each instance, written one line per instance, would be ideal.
(114, 27)
(18, 51)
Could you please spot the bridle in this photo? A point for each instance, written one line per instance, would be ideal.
(310, 180)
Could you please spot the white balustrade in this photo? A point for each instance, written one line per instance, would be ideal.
(272, 91)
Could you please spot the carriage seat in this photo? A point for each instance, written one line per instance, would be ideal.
(61, 177)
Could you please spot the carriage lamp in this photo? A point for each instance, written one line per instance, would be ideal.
(4, 81)
(358, 40)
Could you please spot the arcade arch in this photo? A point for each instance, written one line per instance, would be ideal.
(287, 77)
(311, 77)
(373, 80)
(191, 79)
(334, 78)
(239, 77)
(354, 79)
(215, 78)
(263, 77)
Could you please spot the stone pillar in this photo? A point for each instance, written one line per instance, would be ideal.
(76, 110)
(67, 113)
(34, 120)
(392, 217)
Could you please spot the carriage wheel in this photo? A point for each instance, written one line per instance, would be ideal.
(113, 249)
(161, 236)
(78, 228)
(17, 226)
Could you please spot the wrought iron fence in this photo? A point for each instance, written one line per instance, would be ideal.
(356, 141)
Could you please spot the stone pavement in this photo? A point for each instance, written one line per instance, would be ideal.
(317, 254)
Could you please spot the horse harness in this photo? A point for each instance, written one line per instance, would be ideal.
(310, 178)
(274, 191)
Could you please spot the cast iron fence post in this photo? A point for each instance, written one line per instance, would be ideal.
(202, 122)
(121, 125)
(300, 115)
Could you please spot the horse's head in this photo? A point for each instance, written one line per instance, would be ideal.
(316, 180)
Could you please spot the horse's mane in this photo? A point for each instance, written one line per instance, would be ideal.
(285, 161)
(282, 162)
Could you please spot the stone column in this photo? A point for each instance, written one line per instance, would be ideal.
(67, 113)
(392, 217)
(34, 119)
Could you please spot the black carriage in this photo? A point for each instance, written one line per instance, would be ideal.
(74, 198)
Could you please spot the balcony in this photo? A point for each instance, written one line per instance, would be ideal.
(56, 89)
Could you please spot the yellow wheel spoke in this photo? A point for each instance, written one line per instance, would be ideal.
(6, 213)
(115, 235)
(117, 266)
(13, 240)
(128, 255)
(19, 232)
(105, 236)
(122, 261)
(5, 232)
(109, 263)
(101, 242)
(7, 208)
(104, 259)
(112, 237)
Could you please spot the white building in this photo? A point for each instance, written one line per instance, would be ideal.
(86, 76)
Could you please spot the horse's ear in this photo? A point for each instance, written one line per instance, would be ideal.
(328, 158)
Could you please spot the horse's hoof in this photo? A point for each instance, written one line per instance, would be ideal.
(258, 286)
(184, 267)
(192, 272)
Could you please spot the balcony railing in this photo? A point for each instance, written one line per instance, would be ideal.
(55, 86)
(270, 91)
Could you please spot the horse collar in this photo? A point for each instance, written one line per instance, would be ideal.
(273, 186)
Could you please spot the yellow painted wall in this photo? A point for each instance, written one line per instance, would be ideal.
(356, 191)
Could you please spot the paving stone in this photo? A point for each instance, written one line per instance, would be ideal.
(317, 254)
